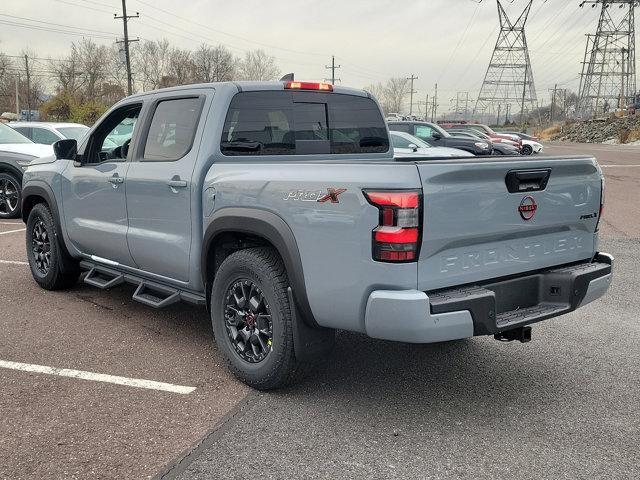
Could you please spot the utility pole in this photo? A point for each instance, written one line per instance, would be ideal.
(333, 67)
(26, 67)
(126, 42)
(18, 94)
(434, 111)
(498, 119)
(426, 108)
(524, 95)
(553, 102)
(412, 78)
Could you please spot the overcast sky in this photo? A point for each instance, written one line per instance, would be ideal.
(444, 41)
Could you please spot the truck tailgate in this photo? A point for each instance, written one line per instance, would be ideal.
(475, 229)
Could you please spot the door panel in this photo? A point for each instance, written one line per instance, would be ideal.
(159, 190)
(95, 210)
(93, 190)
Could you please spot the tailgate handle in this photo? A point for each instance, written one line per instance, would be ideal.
(527, 180)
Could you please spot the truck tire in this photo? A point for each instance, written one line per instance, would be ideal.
(252, 321)
(10, 196)
(52, 268)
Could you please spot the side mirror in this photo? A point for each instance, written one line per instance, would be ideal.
(436, 136)
(413, 147)
(66, 149)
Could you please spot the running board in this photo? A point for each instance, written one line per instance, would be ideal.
(148, 292)
(102, 279)
(156, 296)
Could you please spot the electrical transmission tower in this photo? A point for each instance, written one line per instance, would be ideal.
(509, 78)
(608, 78)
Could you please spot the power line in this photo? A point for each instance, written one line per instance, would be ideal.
(412, 78)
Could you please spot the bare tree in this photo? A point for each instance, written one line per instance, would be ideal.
(380, 94)
(93, 63)
(395, 91)
(180, 66)
(258, 65)
(213, 64)
(151, 63)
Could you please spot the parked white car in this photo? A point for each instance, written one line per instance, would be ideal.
(530, 147)
(13, 141)
(47, 133)
(406, 146)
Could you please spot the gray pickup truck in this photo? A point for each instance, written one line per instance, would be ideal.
(281, 208)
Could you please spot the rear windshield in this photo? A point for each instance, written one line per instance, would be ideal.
(302, 123)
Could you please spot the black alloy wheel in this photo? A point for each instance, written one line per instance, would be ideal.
(248, 321)
(9, 197)
(41, 247)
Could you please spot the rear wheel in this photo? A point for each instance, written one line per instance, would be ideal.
(252, 320)
(10, 196)
(527, 150)
(52, 268)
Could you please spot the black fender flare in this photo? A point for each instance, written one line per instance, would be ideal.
(276, 231)
(11, 170)
(43, 190)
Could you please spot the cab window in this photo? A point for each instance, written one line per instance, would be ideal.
(111, 140)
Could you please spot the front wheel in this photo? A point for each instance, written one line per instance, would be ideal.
(527, 150)
(52, 268)
(252, 320)
(10, 196)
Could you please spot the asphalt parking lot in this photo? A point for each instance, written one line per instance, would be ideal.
(566, 405)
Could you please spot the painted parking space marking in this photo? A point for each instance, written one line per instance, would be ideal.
(13, 231)
(11, 223)
(618, 166)
(98, 377)
(13, 262)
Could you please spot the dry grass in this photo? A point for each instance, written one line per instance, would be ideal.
(549, 133)
(634, 135)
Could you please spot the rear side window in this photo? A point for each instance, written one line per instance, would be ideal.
(302, 123)
(172, 129)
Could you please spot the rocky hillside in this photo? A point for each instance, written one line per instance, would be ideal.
(610, 130)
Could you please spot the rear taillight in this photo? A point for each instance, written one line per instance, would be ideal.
(397, 237)
(601, 203)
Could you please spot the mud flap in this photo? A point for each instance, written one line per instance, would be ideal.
(310, 343)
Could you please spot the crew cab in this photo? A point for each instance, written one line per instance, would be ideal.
(281, 208)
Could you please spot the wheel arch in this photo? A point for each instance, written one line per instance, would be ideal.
(39, 192)
(8, 168)
(256, 224)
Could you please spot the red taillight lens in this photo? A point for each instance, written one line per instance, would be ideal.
(397, 237)
(324, 87)
(601, 203)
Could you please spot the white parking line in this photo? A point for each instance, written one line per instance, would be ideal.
(11, 223)
(13, 262)
(618, 166)
(98, 377)
(13, 231)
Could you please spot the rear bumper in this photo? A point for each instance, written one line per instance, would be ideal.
(488, 308)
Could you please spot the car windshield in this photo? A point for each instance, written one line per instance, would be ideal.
(441, 130)
(9, 135)
(403, 140)
(75, 133)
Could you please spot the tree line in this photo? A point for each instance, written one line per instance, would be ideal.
(80, 86)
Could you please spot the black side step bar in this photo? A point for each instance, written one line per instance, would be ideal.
(151, 293)
(156, 296)
(103, 280)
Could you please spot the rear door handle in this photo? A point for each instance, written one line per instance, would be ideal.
(177, 183)
(116, 180)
